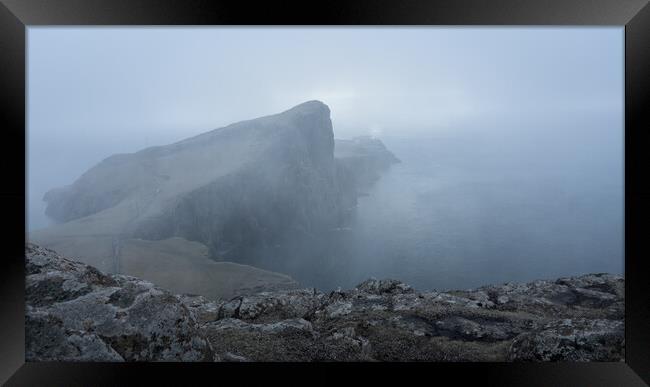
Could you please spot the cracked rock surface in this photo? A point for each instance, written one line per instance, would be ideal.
(74, 312)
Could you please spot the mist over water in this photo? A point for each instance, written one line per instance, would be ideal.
(482, 206)
(511, 139)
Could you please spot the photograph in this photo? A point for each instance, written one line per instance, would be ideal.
(325, 194)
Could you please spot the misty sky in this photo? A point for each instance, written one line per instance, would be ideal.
(94, 91)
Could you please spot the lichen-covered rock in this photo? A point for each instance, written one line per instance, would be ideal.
(375, 286)
(592, 296)
(572, 340)
(47, 339)
(77, 313)
(273, 306)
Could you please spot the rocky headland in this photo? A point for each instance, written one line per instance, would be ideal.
(75, 312)
(193, 216)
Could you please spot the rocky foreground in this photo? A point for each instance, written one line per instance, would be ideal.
(76, 313)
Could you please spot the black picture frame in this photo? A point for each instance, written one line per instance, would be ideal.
(17, 15)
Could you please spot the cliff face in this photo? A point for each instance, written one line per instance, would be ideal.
(74, 312)
(252, 185)
(363, 159)
(286, 187)
(198, 187)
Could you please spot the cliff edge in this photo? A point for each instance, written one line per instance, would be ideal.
(76, 313)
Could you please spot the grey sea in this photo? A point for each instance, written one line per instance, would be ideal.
(477, 207)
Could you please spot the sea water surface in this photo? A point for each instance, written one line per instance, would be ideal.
(469, 208)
